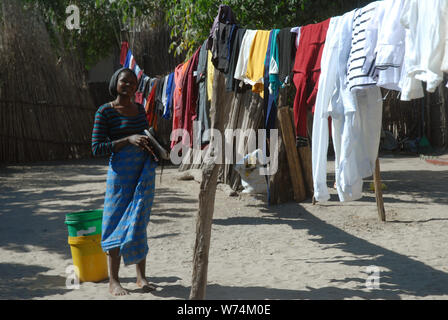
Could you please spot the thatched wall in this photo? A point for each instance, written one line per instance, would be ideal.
(152, 51)
(45, 110)
(412, 119)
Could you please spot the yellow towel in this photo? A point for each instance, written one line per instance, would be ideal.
(210, 75)
(255, 66)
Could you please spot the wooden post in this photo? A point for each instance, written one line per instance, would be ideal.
(379, 192)
(207, 195)
(295, 167)
(306, 163)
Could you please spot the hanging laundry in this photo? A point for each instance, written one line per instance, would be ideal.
(385, 45)
(271, 82)
(287, 53)
(124, 52)
(139, 94)
(145, 83)
(191, 98)
(221, 46)
(150, 104)
(444, 66)
(138, 71)
(159, 96)
(359, 137)
(356, 118)
(164, 94)
(203, 107)
(306, 75)
(179, 75)
(267, 95)
(255, 66)
(296, 30)
(244, 55)
(231, 83)
(210, 76)
(273, 66)
(410, 87)
(171, 103)
(127, 61)
(225, 15)
(177, 98)
(426, 23)
(131, 63)
(169, 96)
(333, 65)
(357, 79)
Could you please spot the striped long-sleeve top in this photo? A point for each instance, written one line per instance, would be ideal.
(110, 126)
(357, 79)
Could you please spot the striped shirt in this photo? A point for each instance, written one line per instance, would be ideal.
(110, 126)
(356, 77)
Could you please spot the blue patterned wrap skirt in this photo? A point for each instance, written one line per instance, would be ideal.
(129, 197)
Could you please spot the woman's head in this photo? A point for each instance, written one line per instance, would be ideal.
(123, 82)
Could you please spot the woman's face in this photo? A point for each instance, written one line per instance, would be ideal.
(127, 84)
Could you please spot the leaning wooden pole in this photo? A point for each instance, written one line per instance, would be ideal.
(207, 196)
(379, 191)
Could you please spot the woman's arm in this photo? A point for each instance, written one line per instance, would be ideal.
(101, 145)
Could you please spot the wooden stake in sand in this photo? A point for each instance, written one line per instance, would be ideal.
(207, 197)
(379, 191)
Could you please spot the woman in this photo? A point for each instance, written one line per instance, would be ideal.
(118, 131)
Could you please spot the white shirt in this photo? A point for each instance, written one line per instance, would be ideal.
(445, 58)
(327, 84)
(426, 22)
(164, 96)
(385, 44)
(356, 119)
(244, 55)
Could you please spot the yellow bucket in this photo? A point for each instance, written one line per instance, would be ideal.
(89, 258)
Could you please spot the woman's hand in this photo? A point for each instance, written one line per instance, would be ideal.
(143, 143)
(139, 141)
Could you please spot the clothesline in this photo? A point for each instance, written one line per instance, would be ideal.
(337, 66)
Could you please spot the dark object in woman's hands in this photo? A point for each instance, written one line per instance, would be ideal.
(143, 142)
(155, 145)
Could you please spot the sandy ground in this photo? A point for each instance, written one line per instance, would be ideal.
(290, 251)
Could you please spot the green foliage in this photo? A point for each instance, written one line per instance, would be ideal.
(102, 24)
(192, 19)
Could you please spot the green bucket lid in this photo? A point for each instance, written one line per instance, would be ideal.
(83, 216)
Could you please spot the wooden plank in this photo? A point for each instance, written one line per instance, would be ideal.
(280, 184)
(379, 192)
(306, 163)
(295, 169)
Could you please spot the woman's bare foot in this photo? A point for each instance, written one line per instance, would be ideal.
(145, 285)
(116, 289)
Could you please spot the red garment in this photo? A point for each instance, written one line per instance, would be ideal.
(150, 103)
(179, 75)
(307, 72)
(124, 52)
(138, 97)
(191, 99)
